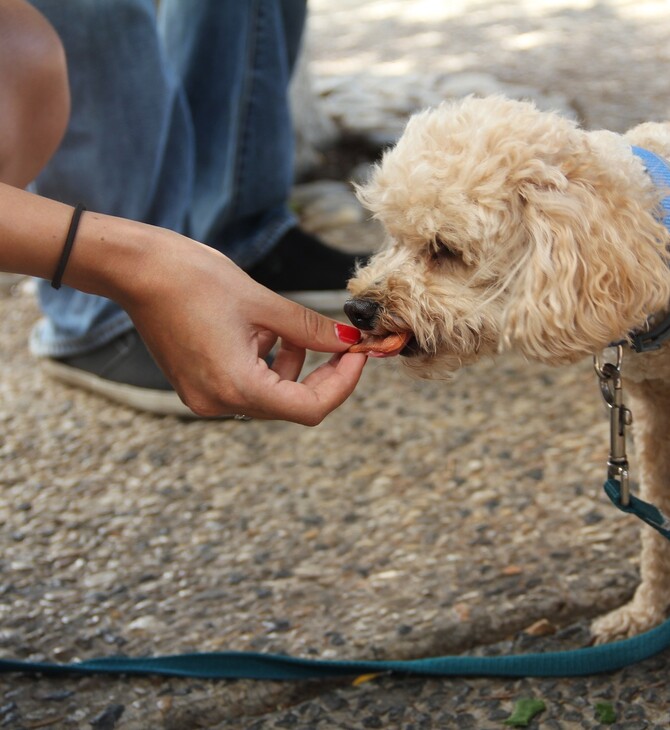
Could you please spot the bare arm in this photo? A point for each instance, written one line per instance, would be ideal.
(205, 321)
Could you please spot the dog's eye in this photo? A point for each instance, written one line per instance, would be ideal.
(441, 251)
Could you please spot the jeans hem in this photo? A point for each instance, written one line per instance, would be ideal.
(50, 344)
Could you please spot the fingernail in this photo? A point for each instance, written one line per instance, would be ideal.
(347, 334)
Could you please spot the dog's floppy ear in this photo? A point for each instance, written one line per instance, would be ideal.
(593, 269)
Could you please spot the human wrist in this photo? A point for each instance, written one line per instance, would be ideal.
(111, 256)
(57, 278)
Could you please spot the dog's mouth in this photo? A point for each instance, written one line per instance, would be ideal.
(412, 348)
(379, 339)
(388, 344)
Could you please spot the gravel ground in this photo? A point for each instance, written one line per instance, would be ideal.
(422, 518)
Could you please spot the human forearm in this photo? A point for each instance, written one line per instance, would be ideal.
(207, 323)
(108, 255)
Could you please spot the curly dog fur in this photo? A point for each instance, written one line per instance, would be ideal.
(513, 229)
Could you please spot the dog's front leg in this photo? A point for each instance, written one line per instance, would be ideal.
(650, 404)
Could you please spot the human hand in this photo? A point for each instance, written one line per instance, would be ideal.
(210, 327)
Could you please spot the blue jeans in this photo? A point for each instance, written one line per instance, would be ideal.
(181, 121)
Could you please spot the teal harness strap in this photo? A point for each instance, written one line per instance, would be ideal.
(638, 507)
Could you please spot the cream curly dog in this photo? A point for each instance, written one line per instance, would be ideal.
(513, 229)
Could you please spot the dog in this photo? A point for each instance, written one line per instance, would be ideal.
(510, 228)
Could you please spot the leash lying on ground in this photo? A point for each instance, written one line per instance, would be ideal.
(572, 663)
(253, 665)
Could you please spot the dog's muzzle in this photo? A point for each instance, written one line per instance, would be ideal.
(363, 313)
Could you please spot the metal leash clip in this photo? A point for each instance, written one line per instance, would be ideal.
(609, 376)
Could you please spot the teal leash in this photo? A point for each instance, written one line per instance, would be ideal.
(649, 514)
(277, 667)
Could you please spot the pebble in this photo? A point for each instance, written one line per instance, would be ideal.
(108, 718)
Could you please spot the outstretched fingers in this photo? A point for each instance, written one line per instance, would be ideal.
(288, 361)
(311, 400)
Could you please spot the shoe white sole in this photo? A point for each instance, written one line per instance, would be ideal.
(158, 402)
(321, 301)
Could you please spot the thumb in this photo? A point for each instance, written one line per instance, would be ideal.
(304, 327)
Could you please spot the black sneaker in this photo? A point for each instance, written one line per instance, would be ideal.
(303, 268)
(123, 371)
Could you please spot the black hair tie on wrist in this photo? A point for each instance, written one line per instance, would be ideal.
(67, 248)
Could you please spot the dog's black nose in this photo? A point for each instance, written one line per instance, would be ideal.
(362, 312)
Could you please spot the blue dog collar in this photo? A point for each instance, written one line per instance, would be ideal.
(658, 170)
(657, 333)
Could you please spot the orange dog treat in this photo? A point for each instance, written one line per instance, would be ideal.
(382, 345)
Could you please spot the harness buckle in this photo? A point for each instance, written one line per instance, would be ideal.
(611, 388)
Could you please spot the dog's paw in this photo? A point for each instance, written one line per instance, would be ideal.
(625, 622)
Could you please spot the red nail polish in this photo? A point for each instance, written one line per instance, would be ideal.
(347, 334)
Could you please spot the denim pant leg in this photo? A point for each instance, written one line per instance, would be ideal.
(235, 60)
(128, 150)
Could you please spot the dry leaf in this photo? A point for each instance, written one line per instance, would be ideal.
(543, 627)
